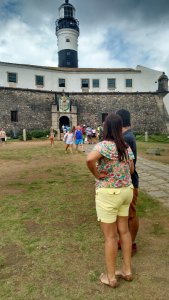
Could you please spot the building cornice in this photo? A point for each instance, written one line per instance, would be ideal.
(73, 70)
(84, 93)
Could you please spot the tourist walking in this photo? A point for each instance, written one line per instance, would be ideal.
(78, 138)
(69, 139)
(111, 162)
(93, 136)
(2, 136)
(131, 141)
(89, 134)
(51, 137)
(84, 133)
(100, 133)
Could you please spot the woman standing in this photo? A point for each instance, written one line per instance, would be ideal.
(111, 162)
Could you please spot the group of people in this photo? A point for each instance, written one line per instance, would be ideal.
(113, 164)
(74, 135)
(2, 136)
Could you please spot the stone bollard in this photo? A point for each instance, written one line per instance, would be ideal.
(24, 134)
(146, 136)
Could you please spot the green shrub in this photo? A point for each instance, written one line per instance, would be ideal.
(13, 134)
(36, 134)
(39, 133)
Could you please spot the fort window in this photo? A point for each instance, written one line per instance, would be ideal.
(85, 83)
(95, 83)
(128, 82)
(61, 82)
(12, 77)
(14, 116)
(111, 83)
(67, 40)
(39, 80)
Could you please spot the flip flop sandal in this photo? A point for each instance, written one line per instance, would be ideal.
(112, 283)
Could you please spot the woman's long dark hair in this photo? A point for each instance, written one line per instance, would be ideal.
(112, 131)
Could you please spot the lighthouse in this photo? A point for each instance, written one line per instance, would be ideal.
(67, 32)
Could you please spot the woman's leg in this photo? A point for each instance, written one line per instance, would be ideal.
(67, 146)
(110, 237)
(125, 238)
(81, 145)
(71, 148)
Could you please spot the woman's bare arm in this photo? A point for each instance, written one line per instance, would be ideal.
(92, 159)
(131, 165)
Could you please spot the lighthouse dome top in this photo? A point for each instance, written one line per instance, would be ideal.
(67, 10)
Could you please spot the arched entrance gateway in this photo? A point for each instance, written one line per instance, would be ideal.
(63, 121)
(63, 114)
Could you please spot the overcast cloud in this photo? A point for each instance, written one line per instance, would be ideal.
(113, 33)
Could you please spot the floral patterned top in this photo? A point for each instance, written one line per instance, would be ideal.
(118, 172)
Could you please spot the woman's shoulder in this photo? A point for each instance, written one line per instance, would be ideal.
(108, 143)
(107, 148)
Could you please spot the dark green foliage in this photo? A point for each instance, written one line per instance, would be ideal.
(39, 133)
(36, 134)
(13, 134)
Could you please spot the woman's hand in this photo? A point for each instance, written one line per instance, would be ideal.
(102, 175)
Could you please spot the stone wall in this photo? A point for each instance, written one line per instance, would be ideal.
(147, 109)
(35, 109)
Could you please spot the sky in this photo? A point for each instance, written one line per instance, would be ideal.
(113, 33)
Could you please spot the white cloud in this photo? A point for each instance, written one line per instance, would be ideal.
(112, 33)
(21, 44)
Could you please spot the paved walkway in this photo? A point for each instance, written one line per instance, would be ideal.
(154, 177)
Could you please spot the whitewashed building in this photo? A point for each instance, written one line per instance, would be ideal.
(140, 79)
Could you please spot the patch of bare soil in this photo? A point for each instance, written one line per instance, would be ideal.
(14, 260)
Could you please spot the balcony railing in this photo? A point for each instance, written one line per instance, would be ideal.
(67, 23)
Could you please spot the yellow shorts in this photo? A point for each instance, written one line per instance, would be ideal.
(113, 202)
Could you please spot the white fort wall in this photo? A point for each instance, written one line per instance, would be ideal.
(143, 79)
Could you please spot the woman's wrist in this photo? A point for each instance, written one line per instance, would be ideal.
(97, 176)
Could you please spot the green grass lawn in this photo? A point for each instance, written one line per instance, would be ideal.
(51, 246)
(158, 141)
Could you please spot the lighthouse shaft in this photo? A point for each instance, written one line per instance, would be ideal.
(67, 32)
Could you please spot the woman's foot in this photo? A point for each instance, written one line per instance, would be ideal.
(121, 274)
(104, 279)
